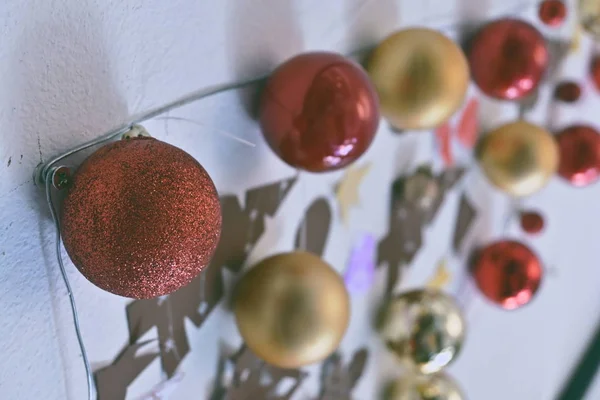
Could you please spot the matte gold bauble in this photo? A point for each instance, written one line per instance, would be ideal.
(519, 158)
(421, 77)
(589, 17)
(424, 387)
(424, 328)
(292, 309)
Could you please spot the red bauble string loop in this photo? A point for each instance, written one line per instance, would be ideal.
(508, 273)
(508, 59)
(552, 12)
(532, 222)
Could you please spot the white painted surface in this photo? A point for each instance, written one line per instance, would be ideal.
(70, 70)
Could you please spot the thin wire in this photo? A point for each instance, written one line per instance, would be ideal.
(86, 362)
(210, 91)
(513, 210)
(213, 90)
(220, 131)
(171, 334)
(190, 98)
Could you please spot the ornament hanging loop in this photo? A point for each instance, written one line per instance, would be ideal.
(136, 131)
(62, 177)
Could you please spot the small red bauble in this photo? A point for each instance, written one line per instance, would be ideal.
(568, 91)
(552, 12)
(595, 71)
(142, 218)
(508, 59)
(532, 222)
(319, 111)
(508, 273)
(579, 148)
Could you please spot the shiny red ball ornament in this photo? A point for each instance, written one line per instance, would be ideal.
(568, 92)
(508, 273)
(141, 219)
(595, 71)
(552, 12)
(579, 149)
(319, 111)
(508, 58)
(532, 222)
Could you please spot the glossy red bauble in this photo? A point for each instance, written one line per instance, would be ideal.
(319, 111)
(508, 58)
(567, 91)
(552, 12)
(142, 218)
(532, 222)
(579, 148)
(508, 273)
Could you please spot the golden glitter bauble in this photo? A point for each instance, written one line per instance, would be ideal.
(424, 387)
(292, 309)
(421, 77)
(424, 328)
(589, 17)
(519, 158)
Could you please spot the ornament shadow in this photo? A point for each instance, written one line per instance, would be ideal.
(65, 92)
(470, 12)
(259, 39)
(366, 23)
(63, 95)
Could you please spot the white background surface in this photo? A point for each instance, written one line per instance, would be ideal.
(70, 70)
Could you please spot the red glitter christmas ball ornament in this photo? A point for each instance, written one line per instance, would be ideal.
(552, 12)
(319, 111)
(141, 219)
(508, 273)
(532, 222)
(508, 58)
(567, 91)
(579, 149)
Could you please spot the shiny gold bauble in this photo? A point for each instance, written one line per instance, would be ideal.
(292, 309)
(519, 158)
(421, 77)
(424, 387)
(424, 328)
(589, 17)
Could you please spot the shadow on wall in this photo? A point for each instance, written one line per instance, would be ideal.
(63, 95)
(471, 14)
(369, 21)
(62, 84)
(259, 39)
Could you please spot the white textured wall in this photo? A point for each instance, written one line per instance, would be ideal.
(71, 69)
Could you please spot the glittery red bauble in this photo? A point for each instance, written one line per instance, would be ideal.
(595, 70)
(508, 59)
(568, 91)
(552, 12)
(508, 273)
(141, 219)
(532, 222)
(579, 148)
(319, 111)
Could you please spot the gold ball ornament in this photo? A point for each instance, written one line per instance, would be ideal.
(424, 387)
(519, 158)
(424, 328)
(589, 17)
(292, 309)
(421, 77)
